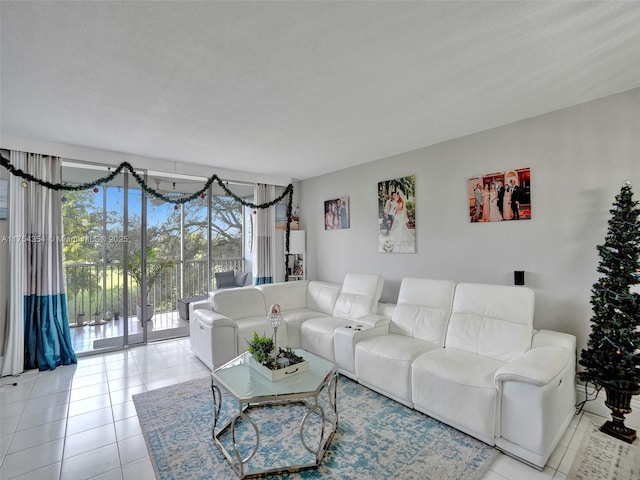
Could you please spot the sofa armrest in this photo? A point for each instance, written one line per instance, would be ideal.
(538, 366)
(214, 319)
(373, 320)
(549, 338)
(200, 304)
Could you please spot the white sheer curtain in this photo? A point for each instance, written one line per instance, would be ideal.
(14, 335)
(264, 235)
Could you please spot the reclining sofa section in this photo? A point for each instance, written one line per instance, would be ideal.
(465, 354)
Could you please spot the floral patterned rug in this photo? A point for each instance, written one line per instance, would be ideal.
(376, 438)
(603, 457)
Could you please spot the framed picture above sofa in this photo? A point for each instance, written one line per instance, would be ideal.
(397, 215)
(500, 196)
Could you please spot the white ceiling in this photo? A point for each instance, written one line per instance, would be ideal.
(299, 89)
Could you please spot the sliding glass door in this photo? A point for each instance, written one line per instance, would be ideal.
(131, 257)
(95, 243)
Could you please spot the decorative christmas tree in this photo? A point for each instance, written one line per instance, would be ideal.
(612, 359)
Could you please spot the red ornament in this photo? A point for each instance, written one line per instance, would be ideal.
(175, 207)
(96, 189)
(203, 196)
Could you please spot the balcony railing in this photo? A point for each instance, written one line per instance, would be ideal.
(95, 288)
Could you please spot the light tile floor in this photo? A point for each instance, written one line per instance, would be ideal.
(79, 422)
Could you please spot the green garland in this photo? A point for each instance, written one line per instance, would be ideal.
(288, 191)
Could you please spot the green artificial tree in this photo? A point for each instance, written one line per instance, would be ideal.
(612, 357)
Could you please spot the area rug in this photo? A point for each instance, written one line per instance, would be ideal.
(376, 438)
(602, 457)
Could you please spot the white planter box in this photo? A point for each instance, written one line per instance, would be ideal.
(281, 373)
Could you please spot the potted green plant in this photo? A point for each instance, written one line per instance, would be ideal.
(611, 359)
(155, 267)
(260, 348)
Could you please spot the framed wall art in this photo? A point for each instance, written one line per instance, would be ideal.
(397, 215)
(281, 217)
(500, 196)
(336, 213)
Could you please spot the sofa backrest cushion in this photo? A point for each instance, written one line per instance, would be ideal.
(239, 303)
(322, 296)
(289, 295)
(423, 309)
(491, 320)
(359, 295)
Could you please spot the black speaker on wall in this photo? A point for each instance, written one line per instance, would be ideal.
(518, 277)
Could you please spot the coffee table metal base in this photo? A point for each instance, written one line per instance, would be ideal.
(310, 401)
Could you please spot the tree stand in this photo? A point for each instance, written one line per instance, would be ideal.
(619, 402)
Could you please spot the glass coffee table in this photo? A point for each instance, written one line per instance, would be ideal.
(240, 437)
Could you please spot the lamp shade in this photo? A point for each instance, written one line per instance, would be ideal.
(296, 241)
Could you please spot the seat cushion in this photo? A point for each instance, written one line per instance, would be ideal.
(384, 364)
(295, 318)
(317, 335)
(457, 387)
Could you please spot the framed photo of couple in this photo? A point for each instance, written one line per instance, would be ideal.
(397, 215)
(336, 213)
(500, 196)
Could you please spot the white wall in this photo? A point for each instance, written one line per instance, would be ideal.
(578, 159)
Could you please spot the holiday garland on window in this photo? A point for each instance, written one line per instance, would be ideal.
(288, 191)
(613, 354)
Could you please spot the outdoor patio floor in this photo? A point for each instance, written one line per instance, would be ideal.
(110, 333)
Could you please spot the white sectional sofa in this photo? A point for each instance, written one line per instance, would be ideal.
(418, 325)
(222, 324)
(354, 315)
(466, 354)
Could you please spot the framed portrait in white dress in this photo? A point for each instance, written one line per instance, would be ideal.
(397, 215)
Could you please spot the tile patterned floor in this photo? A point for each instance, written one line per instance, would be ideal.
(79, 422)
